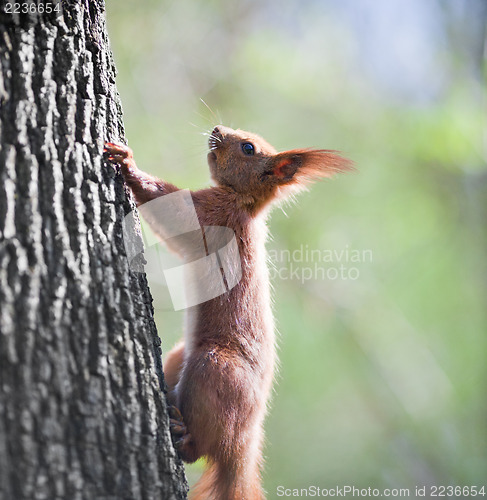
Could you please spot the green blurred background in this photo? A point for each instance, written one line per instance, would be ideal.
(382, 378)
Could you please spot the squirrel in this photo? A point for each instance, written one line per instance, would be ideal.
(219, 380)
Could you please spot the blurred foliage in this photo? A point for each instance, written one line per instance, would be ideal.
(382, 378)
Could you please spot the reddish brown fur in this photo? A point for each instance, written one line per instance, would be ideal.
(221, 378)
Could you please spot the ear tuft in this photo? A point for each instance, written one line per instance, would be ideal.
(300, 166)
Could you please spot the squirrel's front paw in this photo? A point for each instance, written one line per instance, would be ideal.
(121, 155)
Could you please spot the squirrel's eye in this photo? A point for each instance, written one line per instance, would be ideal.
(248, 148)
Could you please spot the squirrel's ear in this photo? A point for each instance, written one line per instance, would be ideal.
(301, 166)
(285, 166)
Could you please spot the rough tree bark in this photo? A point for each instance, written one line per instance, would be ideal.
(82, 414)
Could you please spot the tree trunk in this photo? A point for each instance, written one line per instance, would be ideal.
(82, 413)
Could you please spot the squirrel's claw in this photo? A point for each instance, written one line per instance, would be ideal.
(121, 155)
(176, 422)
(117, 158)
(177, 428)
(174, 413)
(118, 150)
(182, 443)
(182, 439)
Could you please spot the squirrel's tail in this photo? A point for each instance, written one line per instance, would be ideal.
(223, 482)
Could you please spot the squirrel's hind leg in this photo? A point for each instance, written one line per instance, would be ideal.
(183, 440)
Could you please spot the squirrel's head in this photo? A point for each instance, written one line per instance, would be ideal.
(251, 167)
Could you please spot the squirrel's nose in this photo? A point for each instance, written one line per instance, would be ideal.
(218, 132)
(221, 131)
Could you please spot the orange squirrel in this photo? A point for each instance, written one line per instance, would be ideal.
(220, 378)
